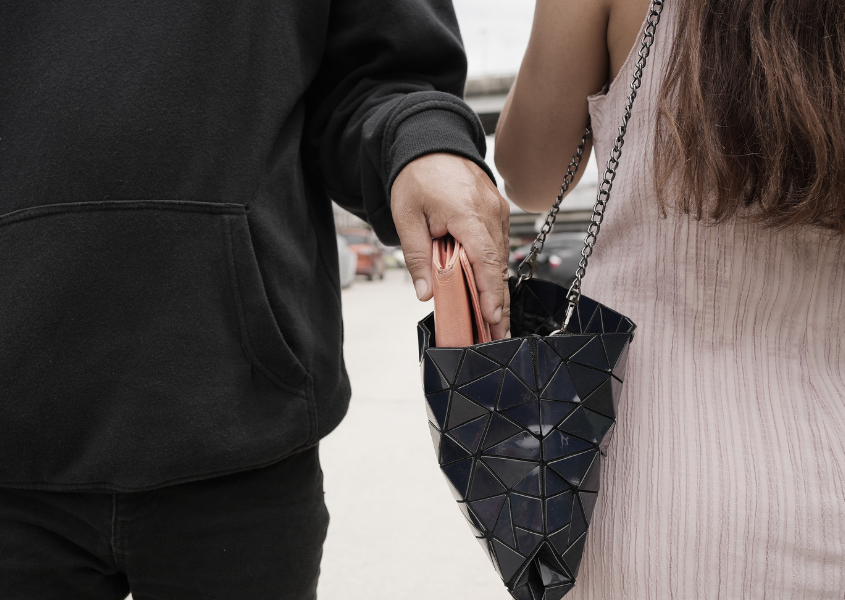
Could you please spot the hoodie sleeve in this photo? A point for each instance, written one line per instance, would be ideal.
(387, 92)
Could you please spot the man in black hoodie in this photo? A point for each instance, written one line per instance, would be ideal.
(170, 324)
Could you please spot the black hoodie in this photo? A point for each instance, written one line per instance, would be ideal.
(169, 298)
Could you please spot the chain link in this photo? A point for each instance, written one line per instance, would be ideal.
(530, 261)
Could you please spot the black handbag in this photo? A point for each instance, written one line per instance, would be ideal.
(520, 426)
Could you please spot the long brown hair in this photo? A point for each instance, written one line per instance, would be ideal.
(752, 112)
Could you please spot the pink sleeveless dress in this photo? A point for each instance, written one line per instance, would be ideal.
(726, 476)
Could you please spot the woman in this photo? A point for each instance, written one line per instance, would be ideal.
(724, 242)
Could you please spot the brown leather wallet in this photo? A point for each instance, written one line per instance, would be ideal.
(457, 310)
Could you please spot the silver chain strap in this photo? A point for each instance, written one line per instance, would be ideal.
(574, 292)
(537, 245)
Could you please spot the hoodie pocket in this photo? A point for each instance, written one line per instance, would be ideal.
(135, 298)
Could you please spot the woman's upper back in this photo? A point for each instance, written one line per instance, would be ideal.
(723, 286)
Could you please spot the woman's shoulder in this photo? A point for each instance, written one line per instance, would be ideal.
(624, 22)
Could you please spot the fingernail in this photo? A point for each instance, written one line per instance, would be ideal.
(421, 286)
(508, 333)
(497, 316)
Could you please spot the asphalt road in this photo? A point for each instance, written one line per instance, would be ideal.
(395, 533)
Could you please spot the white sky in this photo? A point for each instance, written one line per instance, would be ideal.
(495, 34)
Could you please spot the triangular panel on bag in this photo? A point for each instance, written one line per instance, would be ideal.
(457, 474)
(560, 540)
(432, 379)
(616, 386)
(485, 545)
(553, 412)
(552, 573)
(501, 352)
(485, 390)
(558, 444)
(435, 439)
(474, 367)
(557, 592)
(529, 586)
(527, 541)
(586, 379)
(500, 429)
(527, 415)
(572, 556)
(523, 365)
(530, 484)
(451, 451)
(579, 523)
(567, 345)
(554, 483)
(448, 360)
(573, 468)
(510, 471)
(611, 319)
(504, 527)
(601, 400)
(523, 445)
(436, 406)
(521, 592)
(561, 388)
(474, 522)
(509, 560)
(588, 503)
(587, 309)
(488, 510)
(547, 362)
(514, 392)
(592, 355)
(586, 424)
(422, 340)
(558, 511)
(462, 410)
(626, 326)
(596, 325)
(469, 434)
(614, 344)
(622, 364)
(605, 442)
(484, 483)
(527, 512)
(591, 480)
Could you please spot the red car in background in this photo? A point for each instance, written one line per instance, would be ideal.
(364, 243)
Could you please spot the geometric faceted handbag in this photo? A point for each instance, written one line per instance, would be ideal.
(520, 425)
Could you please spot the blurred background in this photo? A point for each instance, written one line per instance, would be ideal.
(395, 530)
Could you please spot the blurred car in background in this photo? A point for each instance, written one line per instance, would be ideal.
(347, 260)
(393, 257)
(559, 259)
(364, 243)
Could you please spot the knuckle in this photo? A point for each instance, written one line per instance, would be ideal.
(491, 258)
(415, 260)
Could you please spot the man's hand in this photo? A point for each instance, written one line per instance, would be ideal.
(444, 193)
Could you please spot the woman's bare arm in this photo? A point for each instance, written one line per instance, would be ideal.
(575, 47)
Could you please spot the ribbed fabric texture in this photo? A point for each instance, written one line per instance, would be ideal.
(726, 476)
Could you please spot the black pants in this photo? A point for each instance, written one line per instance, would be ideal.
(255, 535)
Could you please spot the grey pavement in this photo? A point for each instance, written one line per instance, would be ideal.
(396, 532)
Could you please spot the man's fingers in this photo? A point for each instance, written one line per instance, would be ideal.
(485, 255)
(502, 329)
(416, 246)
